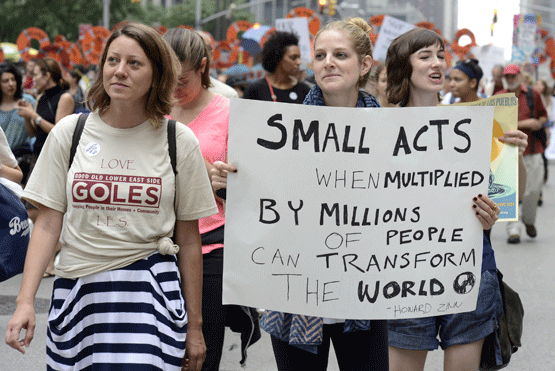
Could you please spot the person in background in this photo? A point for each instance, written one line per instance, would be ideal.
(53, 102)
(416, 68)
(216, 86)
(11, 92)
(496, 85)
(207, 115)
(528, 121)
(445, 94)
(465, 78)
(341, 64)
(381, 85)
(238, 83)
(549, 102)
(135, 296)
(28, 87)
(14, 125)
(73, 78)
(281, 59)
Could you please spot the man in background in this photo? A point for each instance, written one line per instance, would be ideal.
(531, 118)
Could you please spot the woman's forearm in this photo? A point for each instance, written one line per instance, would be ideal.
(11, 173)
(189, 260)
(45, 237)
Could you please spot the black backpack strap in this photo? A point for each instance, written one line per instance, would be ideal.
(76, 136)
(172, 144)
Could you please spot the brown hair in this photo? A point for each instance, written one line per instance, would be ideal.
(190, 48)
(358, 31)
(378, 68)
(165, 71)
(399, 68)
(51, 66)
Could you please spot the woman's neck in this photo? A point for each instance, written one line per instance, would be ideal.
(428, 99)
(123, 115)
(472, 97)
(8, 99)
(348, 99)
(384, 103)
(281, 81)
(73, 89)
(8, 103)
(51, 84)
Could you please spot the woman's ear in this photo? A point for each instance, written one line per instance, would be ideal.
(474, 84)
(203, 64)
(366, 65)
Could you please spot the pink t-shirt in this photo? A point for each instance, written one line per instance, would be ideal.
(211, 129)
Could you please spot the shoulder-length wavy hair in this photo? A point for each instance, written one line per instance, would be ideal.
(165, 71)
(190, 49)
(399, 68)
(358, 30)
(10, 68)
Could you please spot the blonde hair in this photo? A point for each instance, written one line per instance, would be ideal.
(190, 49)
(165, 72)
(358, 31)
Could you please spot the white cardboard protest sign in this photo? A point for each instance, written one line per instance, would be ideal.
(391, 28)
(355, 213)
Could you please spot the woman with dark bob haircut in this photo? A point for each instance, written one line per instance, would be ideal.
(398, 65)
(281, 58)
(125, 295)
(416, 69)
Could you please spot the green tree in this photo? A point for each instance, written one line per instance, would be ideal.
(62, 17)
(49, 15)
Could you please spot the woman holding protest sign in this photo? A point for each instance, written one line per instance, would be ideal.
(465, 82)
(125, 295)
(342, 64)
(416, 70)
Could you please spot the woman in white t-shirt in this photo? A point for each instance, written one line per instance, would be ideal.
(124, 295)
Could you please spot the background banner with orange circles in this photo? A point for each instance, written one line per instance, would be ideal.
(504, 157)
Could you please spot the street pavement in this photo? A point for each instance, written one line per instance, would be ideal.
(529, 268)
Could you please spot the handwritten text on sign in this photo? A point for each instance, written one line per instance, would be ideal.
(355, 213)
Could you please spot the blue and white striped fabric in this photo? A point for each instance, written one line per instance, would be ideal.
(132, 318)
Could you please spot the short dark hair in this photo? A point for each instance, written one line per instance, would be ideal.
(471, 69)
(10, 68)
(275, 48)
(399, 68)
(165, 71)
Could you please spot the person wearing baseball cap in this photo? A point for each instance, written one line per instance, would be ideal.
(532, 116)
